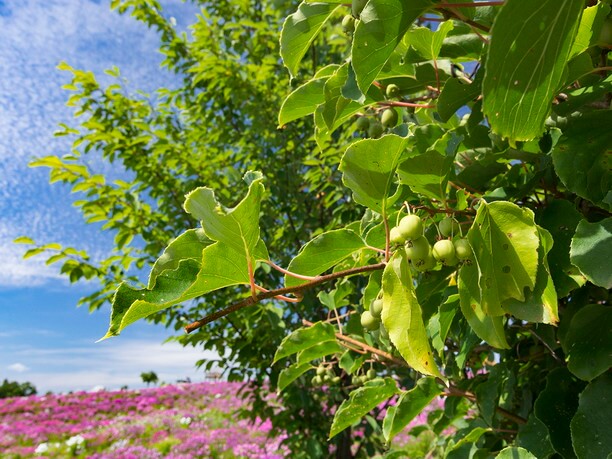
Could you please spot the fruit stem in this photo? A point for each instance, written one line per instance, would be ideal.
(404, 104)
(289, 273)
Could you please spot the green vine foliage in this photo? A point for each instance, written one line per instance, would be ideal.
(437, 190)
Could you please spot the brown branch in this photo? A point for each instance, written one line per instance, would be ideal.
(364, 346)
(298, 289)
(404, 104)
(468, 5)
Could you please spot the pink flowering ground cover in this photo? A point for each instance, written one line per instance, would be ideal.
(178, 422)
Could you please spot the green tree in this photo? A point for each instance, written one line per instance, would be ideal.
(149, 377)
(16, 389)
(460, 250)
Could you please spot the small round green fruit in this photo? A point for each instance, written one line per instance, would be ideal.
(348, 24)
(392, 91)
(448, 226)
(395, 236)
(418, 249)
(335, 380)
(371, 373)
(321, 370)
(425, 264)
(376, 308)
(363, 379)
(411, 227)
(369, 322)
(463, 250)
(317, 381)
(375, 130)
(389, 118)
(444, 252)
(362, 123)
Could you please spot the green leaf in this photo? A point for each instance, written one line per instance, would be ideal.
(512, 452)
(188, 246)
(590, 426)
(455, 94)
(409, 405)
(319, 350)
(426, 42)
(402, 316)
(456, 451)
(440, 323)
(362, 401)
(368, 170)
(488, 328)
(383, 24)
(428, 173)
(591, 22)
(591, 251)
(217, 268)
(588, 342)
(236, 227)
(290, 374)
(581, 157)
(350, 362)
(299, 31)
(505, 242)
(534, 437)
(322, 253)
(303, 101)
(23, 240)
(540, 304)
(556, 406)
(561, 218)
(304, 338)
(528, 53)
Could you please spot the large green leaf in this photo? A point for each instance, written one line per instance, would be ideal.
(236, 227)
(290, 374)
(299, 31)
(409, 405)
(556, 406)
(188, 246)
(427, 173)
(530, 45)
(368, 170)
(303, 101)
(513, 452)
(303, 338)
(505, 241)
(361, 402)
(322, 253)
(402, 316)
(591, 251)
(590, 26)
(588, 342)
(581, 157)
(426, 42)
(220, 266)
(561, 218)
(455, 94)
(534, 437)
(540, 304)
(488, 328)
(319, 350)
(383, 24)
(590, 426)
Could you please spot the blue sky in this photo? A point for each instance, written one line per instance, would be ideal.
(44, 337)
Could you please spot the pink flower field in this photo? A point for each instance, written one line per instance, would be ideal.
(180, 422)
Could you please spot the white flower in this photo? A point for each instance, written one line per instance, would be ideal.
(185, 420)
(76, 440)
(42, 448)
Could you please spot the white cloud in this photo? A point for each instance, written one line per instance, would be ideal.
(18, 367)
(111, 363)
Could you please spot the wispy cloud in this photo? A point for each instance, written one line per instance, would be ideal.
(17, 367)
(35, 37)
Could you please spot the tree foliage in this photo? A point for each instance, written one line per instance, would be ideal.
(488, 122)
(16, 389)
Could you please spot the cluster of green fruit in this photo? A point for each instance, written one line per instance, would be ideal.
(449, 252)
(388, 117)
(358, 380)
(348, 22)
(370, 319)
(324, 375)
